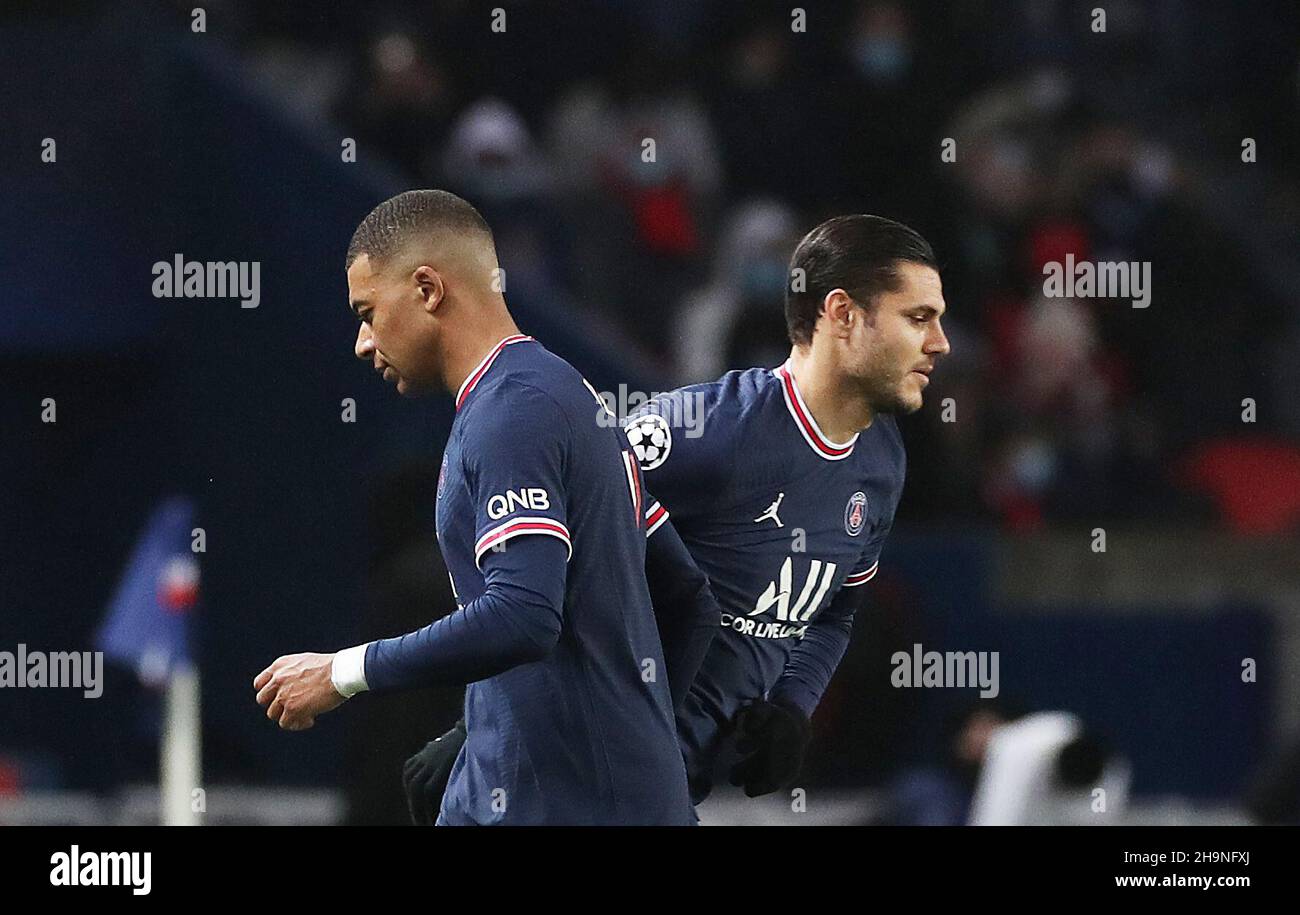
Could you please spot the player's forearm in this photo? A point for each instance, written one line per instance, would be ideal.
(813, 661)
(503, 628)
(812, 664)
(686, 611)
(517, 620)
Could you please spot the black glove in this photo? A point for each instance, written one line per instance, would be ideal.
(424, 776)
(774, 736)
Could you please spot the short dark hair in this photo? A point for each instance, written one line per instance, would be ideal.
(395, 221)
(859, 254)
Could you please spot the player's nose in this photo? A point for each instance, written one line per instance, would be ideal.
(365, 345)
(938, 342)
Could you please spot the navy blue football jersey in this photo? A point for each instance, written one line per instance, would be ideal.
(782, 520)
(580, 736)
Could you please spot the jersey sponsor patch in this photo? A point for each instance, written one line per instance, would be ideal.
(855, 513)
(762, 630)
(651, 439)
(776, 599)
(533, 498)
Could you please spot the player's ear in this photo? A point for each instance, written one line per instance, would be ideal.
(429, 283)
(839, 309)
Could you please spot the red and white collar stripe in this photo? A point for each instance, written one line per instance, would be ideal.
(481, 369)
(803, 418)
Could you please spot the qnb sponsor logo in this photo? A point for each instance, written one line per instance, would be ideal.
(532, 498)
(954, 669)
(680, 409)
(1098, 280)
(23, 669)
(182, 279)
(103, 868)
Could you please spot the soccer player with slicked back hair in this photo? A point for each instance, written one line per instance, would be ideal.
(785, 484)
(541, 517)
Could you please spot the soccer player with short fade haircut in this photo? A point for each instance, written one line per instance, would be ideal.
(541, 520)
(785, 492)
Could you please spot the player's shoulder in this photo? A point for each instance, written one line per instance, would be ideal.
(724, 403)
(709, 419)
(757, 401)
(528, 385)
(748, 386)
(752, 389)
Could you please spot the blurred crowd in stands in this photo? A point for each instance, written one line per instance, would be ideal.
(654, 162)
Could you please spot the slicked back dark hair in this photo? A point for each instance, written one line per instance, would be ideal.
(859, 254)
(411, 213)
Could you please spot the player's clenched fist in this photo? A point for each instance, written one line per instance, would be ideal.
(296, 688)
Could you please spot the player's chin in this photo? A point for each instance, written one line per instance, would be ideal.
(909, 401)
(408, 388)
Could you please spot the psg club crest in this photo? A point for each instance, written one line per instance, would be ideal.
(651, 439)
(855, 513)
(442, 476)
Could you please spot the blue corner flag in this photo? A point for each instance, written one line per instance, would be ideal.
(149, 619)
